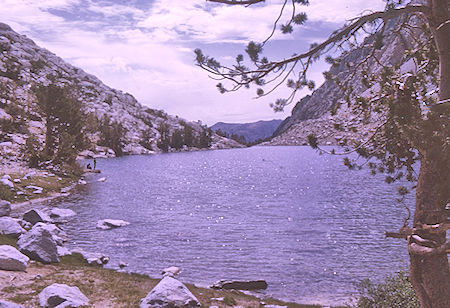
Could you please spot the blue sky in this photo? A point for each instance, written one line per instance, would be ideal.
(146, 47)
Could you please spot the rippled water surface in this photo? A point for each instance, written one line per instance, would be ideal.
(301, 221)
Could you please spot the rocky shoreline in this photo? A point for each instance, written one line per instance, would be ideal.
(33, 241)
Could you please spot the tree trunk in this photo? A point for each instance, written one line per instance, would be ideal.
(429, 268)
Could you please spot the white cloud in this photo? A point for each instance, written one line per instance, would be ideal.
(115, 10)
(338, 11)
(154, 61)
(211, 23)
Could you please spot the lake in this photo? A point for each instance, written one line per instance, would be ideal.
(302, 221)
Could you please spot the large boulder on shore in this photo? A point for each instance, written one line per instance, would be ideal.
(10, 227)
(6, 304)
(5, 208)
(169, 292)
(106, 224)
(58, 235)
(62, 295)
(34, 216)
(240, 285)
(12, 260)
(39, 245)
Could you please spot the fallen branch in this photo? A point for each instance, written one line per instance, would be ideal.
(403, 235)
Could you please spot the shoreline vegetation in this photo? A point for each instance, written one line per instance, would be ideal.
(104, 287)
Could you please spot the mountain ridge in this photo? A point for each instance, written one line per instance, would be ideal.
(325, 113)
(25, 67)
(251, 131)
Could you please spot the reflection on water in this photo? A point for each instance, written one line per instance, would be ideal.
(301, 221)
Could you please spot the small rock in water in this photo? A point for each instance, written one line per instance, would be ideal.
(61, 215)
(123, 264)
(63, 251)
(106, 224)
(240, 285)
(171, 271)
(101, 179)
(82, 182)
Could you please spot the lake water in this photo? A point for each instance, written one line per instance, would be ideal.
(302, 221)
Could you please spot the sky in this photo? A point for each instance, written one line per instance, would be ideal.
(146, 47)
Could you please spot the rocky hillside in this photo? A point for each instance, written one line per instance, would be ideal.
(318, 114)
(250, 131)
(25, 68)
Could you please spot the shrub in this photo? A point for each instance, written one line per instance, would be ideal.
(112, 135)
(177, 140)
(6, 193)
(163, 142)
(65, 133)
(146, 139)
(395, 292)
(37, 65)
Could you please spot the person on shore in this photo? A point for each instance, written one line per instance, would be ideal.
(89, 166)
(95, 163)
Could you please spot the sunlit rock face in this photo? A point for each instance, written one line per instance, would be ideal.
(24, 66)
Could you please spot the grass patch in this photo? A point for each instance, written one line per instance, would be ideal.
(6, 240)
(109, 288)
(229, 301)
(49, 184)
(6, 193)
(73, 260)
(22, 298)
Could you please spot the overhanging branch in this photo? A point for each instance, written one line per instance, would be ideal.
(263, 70)
(348, 30)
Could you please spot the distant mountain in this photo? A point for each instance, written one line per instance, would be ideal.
(250, 131)
(102, 112)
